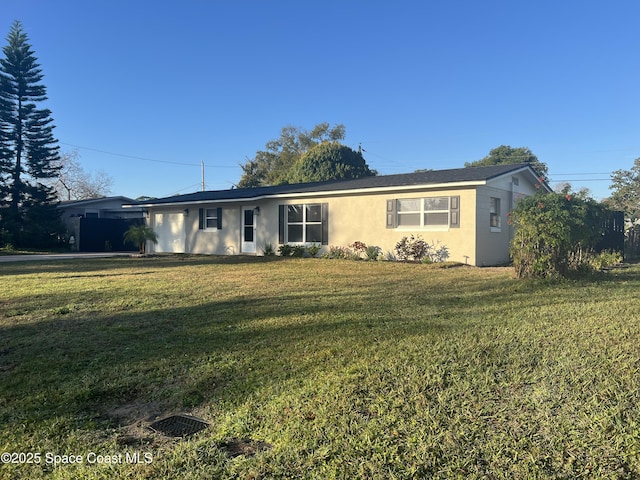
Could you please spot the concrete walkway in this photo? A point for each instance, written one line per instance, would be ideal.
(60, 256)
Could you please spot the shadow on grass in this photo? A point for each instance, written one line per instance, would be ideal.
(70, 364)
(157, 261)
(76, 364)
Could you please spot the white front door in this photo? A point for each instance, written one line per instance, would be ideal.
(248, 231)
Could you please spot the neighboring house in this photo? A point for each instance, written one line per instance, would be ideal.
(105, 207)
(98, 224)
(464, 209)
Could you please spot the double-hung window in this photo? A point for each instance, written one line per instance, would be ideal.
(209, 218)
(436, 211)
(494, 214)
(304, 223)
(427, 212)
(409, 212)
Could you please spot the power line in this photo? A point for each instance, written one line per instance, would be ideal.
(585, 173)
(178, 192)
(582, 180)
(143, 158)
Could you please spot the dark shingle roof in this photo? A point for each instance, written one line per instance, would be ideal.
(431, 177)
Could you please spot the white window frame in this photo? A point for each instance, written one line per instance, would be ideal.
(213, 217)
(495, 216)
(304, 223)
(422, 213)
(435, 211)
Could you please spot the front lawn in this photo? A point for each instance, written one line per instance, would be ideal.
(308, 368)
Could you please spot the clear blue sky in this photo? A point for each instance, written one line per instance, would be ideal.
(420, 84)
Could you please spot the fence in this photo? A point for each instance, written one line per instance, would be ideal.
(613, 237)
(632, 242)
(105, 234)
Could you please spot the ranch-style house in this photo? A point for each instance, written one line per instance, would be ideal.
(464, 209)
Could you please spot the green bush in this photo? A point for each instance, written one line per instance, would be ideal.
(298, 251)
(337, 253)
(372, 252)
(285, 250)
(314, 249)
(605, 259)
(267, 249)
(554, 234)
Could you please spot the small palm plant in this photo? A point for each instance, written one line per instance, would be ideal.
(140, 235)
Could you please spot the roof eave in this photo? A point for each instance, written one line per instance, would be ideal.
(536, 179)
(319, 193)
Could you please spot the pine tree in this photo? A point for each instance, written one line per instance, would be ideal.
(28, 151)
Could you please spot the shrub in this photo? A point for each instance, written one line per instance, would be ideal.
(438, 255)
(554, 234)
(298, 251)
(415, 249)
(285, 250)
(390, 257)
(359, 247)
(362, 250)
(267, 249)
(337, 253)
(605, 259)
(411, 249)
(314, 249)
(372, 252)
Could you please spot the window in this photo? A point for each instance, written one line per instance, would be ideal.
(210, 218)
(304, 223)
(436, 211)
(426, 212)
(409, 212)
(494, 214)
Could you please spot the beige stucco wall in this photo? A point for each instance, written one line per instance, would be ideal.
(493, 244)
(361, 217)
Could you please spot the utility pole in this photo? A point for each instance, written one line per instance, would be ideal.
(203, 175)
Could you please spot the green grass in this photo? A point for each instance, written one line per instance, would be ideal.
(346, 369)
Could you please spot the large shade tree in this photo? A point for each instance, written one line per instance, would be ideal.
(330, 161)
(28, 149)
(506, 155)
(273, 165)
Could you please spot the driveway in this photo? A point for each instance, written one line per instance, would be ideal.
(60, 256)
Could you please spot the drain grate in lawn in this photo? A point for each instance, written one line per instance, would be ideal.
(178, 426)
